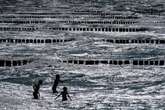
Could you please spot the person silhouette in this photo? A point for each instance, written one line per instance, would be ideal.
(36, 87)
(64, 94)
(55, 84)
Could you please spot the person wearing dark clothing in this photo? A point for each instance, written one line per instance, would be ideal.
(64, 94)
(55, 84)
(36, 95)
(36, 87)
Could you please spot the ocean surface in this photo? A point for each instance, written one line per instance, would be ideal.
(91, 87)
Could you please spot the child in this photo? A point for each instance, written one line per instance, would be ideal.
(64, 94)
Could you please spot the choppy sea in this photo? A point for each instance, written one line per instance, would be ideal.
(91, 87)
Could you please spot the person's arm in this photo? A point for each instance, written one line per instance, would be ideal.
(69, 97)
(34, 87)
(58, 96)
(38, 94)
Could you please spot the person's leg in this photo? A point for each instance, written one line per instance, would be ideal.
(64, 99)
(35, 95)
(54, 89)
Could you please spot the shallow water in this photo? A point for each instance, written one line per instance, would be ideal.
(101, 87)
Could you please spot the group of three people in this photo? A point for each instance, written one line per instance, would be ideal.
(64, 93)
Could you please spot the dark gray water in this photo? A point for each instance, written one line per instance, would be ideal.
(97, 87)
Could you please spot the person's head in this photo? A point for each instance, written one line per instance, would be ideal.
(40, 81)
(65, 89)
(57, 76)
